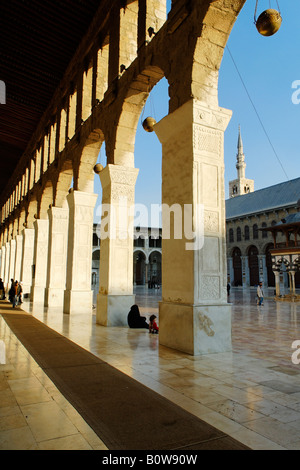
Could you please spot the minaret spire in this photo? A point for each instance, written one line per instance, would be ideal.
(240, 142)
(241, 185)
(240, 165)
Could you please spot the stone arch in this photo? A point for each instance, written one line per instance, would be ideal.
(122, 153)
(206, 35)
(62, 184)
(139, 261)
(269, 263)
(84, 166)
(252, 253)
(46, 200)
(31, 212)
(22, 219)
(155, 259)
(237, 266)
(95, 265)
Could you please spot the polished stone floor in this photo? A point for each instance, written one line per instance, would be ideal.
(251, 393)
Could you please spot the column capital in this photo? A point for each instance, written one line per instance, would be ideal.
(195, 112)
(118, 174)
(81, 198)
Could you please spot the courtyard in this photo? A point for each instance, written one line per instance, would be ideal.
(251, 393)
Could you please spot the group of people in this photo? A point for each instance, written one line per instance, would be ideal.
(15, 293)
(135, 320)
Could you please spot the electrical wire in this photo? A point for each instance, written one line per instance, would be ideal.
(256, 112)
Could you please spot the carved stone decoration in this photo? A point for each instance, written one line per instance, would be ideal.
(206, 324)
(211, 221)
(210, 287)
(207, 140)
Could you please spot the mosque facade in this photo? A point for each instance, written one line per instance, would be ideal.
(249, 244)
(248, 214)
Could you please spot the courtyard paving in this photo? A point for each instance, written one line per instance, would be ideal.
(252, 392)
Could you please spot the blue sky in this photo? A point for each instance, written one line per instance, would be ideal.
(262, 68)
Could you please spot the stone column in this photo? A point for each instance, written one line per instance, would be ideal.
(6, 279)
(146, 272)
(57, 257)
(246, 272)
(116, 254)
(277, 283)
(78, 296)
(40, 260)
(18, 258)
(264, 270)
(12, 257)
(292, 282)
(194, 315)
(230, 270)
(27, 260)
(3, 257)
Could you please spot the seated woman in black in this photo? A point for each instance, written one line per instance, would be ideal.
(135, 320)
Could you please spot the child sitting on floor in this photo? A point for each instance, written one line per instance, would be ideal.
(153, 328)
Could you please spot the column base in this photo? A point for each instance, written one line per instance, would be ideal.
(195, 329)
(37, 294)
(78, 301)
(54, 297)
(26, 289)
(112, 310)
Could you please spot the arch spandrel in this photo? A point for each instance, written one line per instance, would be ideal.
(83, 166)
(46, 199)
(121, 144)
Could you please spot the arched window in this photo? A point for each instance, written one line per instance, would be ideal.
(139, 242)
(255, 231)
(264, 233)
(238, 234)
(231, 235)
(95, 239)
(247, 232)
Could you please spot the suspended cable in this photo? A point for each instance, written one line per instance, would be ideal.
(256, 112)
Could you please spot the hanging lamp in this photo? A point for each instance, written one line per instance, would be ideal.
(98, 168)
(148, 123)
(269, 21)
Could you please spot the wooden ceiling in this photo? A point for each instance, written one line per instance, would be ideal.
(37, 41)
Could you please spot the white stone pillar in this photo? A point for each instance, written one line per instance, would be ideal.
(18, 258)
(6, 279)
(57, 257)
(230, 270)
(40, 260)
(3, 257)
(12, 257)
(116, 254)
(292, 282)
(277, 283)
(264, 270)
(27, 259)
(194, 315)
(78, 296)
(246, 272)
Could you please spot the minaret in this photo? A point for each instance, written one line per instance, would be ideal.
(241, 185)
(240, 164)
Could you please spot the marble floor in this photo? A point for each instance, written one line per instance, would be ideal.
(252, 393)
